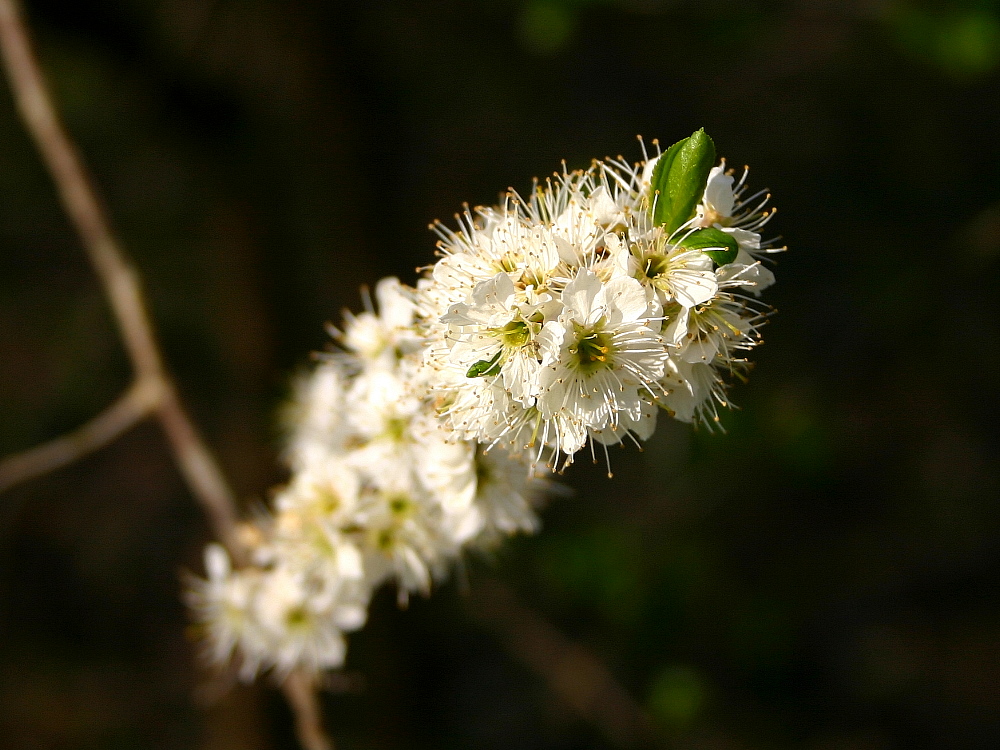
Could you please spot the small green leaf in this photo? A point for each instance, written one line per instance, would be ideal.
(659, 180)
(716, 244)
(679, 179)
(485, 367)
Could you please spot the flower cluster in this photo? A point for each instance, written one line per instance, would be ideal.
(379, 490)
(577, 314)
(571, 317)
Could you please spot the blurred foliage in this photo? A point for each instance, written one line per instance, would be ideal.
(677, 696)
(961, 37)
(822, 574)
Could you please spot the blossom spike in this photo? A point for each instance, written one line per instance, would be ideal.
(562, 318)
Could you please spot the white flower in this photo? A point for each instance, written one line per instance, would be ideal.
(691, 391)
(746, 271)
(299, 616)
(497, 327)
(718, 202)
(506, 496)
(718, 330)
(444, 466)
(315, 418)
(723, 206)
(601, 354)
(677, 274)
(382, 338)
(639, 427)
(221, 603)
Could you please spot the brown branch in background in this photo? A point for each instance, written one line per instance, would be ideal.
(572, 672)
(119, 279)
(154, 390)
(137, 403)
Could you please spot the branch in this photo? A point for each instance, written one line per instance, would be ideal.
(138, 402)
(576, 676)
(123, 289)
(119, 279)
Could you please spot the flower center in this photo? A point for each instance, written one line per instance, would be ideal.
(592, 352)
(515, 334)
(395, 429)
(327, 501)
(385, 540)
(296, 617)
(510, 262)
(401, 506)
(713, 217)
(655, 266)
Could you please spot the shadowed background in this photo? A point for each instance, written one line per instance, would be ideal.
(821, 576)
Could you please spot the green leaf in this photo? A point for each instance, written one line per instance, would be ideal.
(679, 179)
(716, 244)
(658, 182)
(485, 367)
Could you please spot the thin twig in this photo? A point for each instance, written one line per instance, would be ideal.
(121, 284)
(573, 673)
(119, 278)
(138, 402)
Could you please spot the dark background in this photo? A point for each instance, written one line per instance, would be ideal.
(822, 576)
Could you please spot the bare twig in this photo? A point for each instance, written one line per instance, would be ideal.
(576, 675)
(121, 284)
(138, 402)
(120, 281)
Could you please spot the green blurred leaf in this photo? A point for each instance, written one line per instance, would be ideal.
(679, 179)
(546, 27)
(677, 696)
(597, 567)
(962, 40)
(970, 44)
(716, 244)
